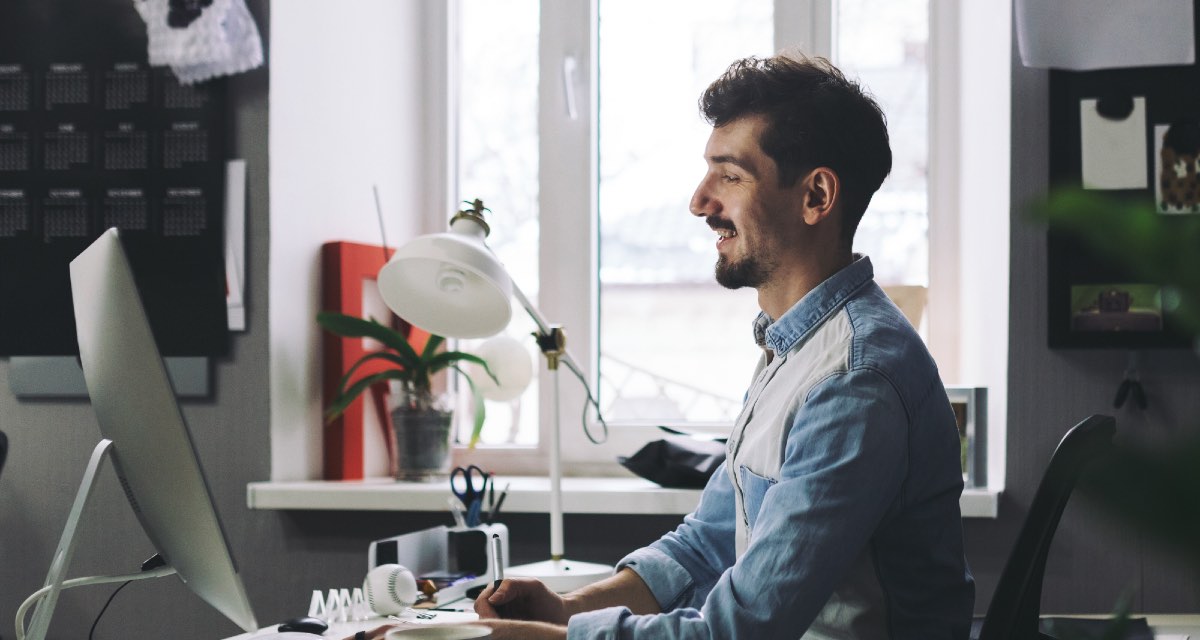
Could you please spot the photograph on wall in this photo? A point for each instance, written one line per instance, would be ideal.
(1177, 158)
(1116, 308)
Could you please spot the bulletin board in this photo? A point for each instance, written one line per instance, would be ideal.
(92, 137)
(1133, 133)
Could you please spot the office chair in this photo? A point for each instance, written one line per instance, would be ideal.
(1013, 613)
(3, 449)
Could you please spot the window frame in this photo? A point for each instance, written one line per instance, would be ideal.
(568, 206)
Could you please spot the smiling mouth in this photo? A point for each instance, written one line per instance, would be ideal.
(724, 235)
(723, 228)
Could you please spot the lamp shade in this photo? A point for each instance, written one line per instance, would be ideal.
(449, 284)
(507, 360)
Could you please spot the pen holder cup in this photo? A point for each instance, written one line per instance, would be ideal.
(469, 549)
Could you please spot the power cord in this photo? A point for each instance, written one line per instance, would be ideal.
(591, 402)
(95, 622)
(151, 563)
(155, 567)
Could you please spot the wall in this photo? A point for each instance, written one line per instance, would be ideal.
(283, 555)
(1093, 559)
(345, 118)
(51, 441)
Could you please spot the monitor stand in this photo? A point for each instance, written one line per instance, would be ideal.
(55, 578)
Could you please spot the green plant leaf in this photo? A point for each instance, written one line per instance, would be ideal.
(351, 327)
(450, 358)
(343, 400)
(1160, 248)
(431, 347)
(375, 355)
(480, 409)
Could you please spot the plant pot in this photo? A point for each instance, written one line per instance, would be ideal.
(422, 443)
(422, 436)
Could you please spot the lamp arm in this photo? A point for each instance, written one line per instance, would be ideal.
(563, 356)
(544, 328)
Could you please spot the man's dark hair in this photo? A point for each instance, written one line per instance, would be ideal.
(815, 118)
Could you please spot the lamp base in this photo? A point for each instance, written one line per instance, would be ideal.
(563, 575)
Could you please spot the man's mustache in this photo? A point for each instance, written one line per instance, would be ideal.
(720, 223)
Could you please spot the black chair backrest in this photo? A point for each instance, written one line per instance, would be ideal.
(3, 449)
(1016, 604)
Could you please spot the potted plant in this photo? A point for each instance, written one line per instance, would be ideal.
(421, 424)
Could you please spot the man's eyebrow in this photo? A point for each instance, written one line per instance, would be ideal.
(735, 161)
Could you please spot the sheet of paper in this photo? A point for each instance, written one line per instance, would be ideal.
(235, 243)
(1114, 151)
(1104, 34)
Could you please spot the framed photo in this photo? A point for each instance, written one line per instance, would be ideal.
(1117, 307)
(970, 412)
(1176, 160)
(358, 443)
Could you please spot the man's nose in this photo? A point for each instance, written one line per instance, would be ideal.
(701, 204)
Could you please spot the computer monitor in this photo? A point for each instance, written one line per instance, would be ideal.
(151, 449)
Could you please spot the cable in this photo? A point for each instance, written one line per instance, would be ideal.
(153, 562)
(1131, 384)
(79, 582)
(95, 622)
(591, 402)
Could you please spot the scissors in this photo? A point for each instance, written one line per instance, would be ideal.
(470, 483)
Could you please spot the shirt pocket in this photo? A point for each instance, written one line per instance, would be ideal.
(754, 488)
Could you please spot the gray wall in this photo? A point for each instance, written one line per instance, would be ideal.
(284, 555)
(1093, 559)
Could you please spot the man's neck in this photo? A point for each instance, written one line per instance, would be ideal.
(788, 285)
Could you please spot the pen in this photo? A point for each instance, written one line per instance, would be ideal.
(499, 501)
(456, 509)
(497, 569)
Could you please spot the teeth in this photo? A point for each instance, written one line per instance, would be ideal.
(726, 233)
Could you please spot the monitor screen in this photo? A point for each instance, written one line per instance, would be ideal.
(136, 409)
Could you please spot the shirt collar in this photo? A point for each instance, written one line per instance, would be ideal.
(806, 315)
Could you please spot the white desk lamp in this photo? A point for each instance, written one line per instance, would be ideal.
(451, 284)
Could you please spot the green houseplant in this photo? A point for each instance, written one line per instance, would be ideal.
(1155, 488)
(421, 426)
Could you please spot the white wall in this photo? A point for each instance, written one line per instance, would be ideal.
(984, 152)
(346, 114)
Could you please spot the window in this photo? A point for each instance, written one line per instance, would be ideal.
(586, 144)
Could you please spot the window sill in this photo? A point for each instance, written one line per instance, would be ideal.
(633, 496)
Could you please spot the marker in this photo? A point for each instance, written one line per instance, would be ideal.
(497, 569)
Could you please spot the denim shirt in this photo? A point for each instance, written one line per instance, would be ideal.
(836, 514)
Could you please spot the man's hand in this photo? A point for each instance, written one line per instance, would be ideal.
(522, 599)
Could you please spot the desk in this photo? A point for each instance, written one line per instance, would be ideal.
(338, 630)
(1165, 626)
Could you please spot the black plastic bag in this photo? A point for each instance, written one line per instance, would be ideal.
(677, 461)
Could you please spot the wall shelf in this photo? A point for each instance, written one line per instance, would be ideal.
(633, 496)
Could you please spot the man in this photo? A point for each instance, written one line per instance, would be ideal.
(836, 513)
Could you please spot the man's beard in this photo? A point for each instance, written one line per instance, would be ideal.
(735, 275)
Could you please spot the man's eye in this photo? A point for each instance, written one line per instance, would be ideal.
(728, 178)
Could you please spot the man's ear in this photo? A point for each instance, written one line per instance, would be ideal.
(822, 189)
